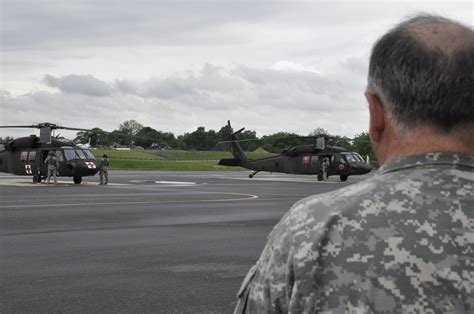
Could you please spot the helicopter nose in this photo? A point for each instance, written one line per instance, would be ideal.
(367, 168)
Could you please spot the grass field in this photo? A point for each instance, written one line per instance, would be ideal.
(199, 155)
(124, 164)
(126, 154)
(139, 160)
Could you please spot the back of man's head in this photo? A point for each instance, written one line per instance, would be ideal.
(423, 73)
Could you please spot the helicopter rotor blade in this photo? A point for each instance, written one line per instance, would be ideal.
(17, 126)
(73, 129)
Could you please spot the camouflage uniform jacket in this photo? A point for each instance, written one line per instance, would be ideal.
(401, 241)
(104, 165)
(52, 162)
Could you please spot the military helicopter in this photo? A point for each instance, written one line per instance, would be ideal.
(303, 159)
(26, 155)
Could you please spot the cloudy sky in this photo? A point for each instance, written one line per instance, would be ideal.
(175, 65)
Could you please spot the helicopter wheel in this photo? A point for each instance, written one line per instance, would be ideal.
(320, 177)
(36, 179)
(343, 178)
(250, 176)
(77, 180)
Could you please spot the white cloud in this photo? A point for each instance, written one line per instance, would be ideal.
(78, 84)
(175, 65)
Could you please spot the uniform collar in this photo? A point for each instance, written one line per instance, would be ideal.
(427, 159)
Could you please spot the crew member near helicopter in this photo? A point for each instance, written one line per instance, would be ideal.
(53, 165)
(325, 166)
(104, 170)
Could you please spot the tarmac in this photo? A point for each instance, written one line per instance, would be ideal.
(161, 242)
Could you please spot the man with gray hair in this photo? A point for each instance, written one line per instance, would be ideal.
(403, 240)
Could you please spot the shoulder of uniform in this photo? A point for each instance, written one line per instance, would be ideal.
(321, 206)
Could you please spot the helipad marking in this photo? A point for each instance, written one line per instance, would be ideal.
(175, 182)
(167, 183)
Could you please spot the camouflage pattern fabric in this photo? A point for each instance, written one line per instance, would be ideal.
(399, 242)
(52, 162)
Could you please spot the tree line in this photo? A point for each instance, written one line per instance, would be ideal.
(132, 133)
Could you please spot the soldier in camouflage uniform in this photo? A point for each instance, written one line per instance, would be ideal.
(53, 166)
(104, 170)
(403, 240)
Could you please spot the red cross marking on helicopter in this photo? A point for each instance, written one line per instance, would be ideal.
(90, 165)
(28, 169)
(306, 160)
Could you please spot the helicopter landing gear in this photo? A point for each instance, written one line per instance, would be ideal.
(77, 180)
(252, 174)
(343, 178)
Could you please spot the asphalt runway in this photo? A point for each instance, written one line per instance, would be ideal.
(162, 242)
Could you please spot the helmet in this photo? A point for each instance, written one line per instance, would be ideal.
(104, 156)
(51, 153)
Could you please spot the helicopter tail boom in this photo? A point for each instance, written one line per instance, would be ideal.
(235, 147)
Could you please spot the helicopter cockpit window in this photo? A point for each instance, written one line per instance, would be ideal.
(350, 158)
(359, 157)
(70, 154)
(88, 154)
(32, 156)
(59, 155)
(23, 157)
(80, 153)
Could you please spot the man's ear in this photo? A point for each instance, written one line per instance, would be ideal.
(377, 117)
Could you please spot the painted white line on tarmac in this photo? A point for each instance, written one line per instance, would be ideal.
(23, 183)
(175, 182)
(168, 183)
(245, 197)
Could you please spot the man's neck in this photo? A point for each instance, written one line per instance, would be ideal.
(423, 141)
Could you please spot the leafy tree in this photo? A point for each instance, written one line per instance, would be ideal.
(146, 137)
(118, 138)
(149, 137)
(277, 142)
(343, 142)
(362, 145)
(250, 141)
(200, 139)
(95, 137)
(224, 135)
(130, 128)
(319, 132)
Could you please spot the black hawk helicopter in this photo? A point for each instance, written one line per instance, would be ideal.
(26, 155)
(303, 159)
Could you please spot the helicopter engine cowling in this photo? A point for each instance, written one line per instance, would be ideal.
(22, 142)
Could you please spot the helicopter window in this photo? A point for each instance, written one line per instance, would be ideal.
(339, 159)
(359, 157)
(314, 160)
(89, 154)
(59, 155)
(23, 157)
(81, 154)
(350, 158)
(32, 156)
(70, 154)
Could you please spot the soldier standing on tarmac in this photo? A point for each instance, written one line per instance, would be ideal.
(325, 166)
(53, 165)
(104, 170)
(401, 241)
